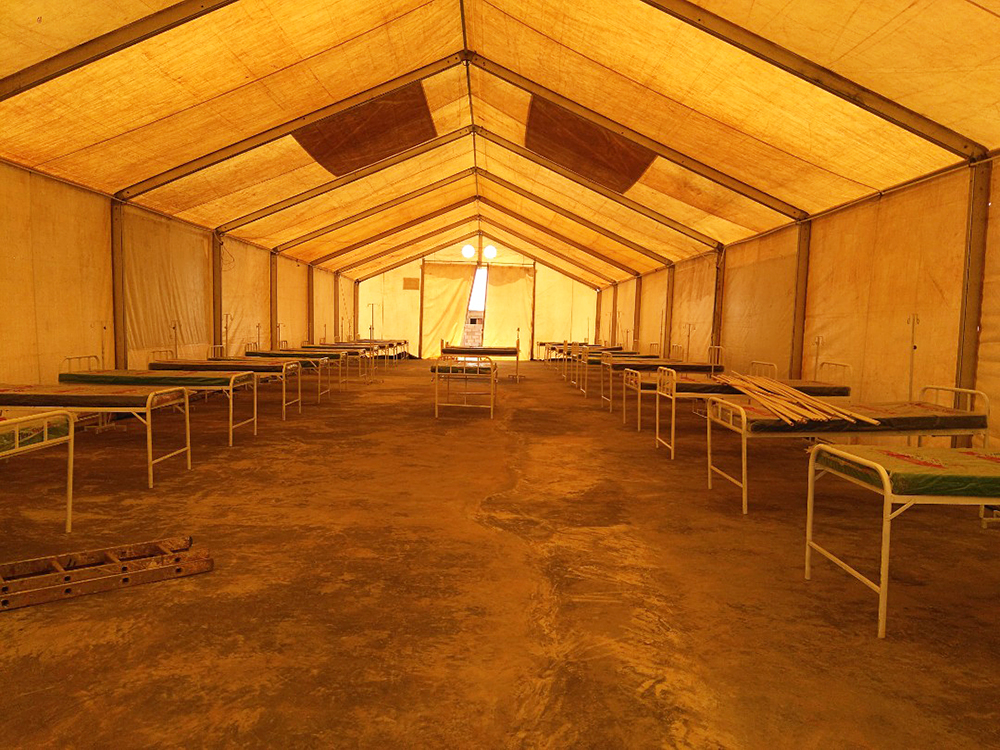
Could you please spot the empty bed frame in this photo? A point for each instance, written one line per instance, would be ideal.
(612, 364)
(262, 369)
(104, 401)
(225, 382)
(677, 386)
(904, 477)
(468, 374)
(487, 352)
(923, 418)
(36, 432)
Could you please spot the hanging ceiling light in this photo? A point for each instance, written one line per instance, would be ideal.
(490, 252)
(468, 251)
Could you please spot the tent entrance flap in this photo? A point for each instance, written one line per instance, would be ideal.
(447, 287)
(509, 294)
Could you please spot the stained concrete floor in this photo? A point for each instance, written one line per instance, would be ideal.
(543, 580)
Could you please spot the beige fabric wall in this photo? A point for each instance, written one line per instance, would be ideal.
(758, 301)
(509, 296)
(988, 375)
(168, 286)
(55, 276)
(447, 287)
(397, 311)
(694, 304)
(293, 301)
(625, 313)
(245, 294)
(870, 268)
(346, 309)
(324, 317)
(652, 311)
(607, 315)
(565, 310)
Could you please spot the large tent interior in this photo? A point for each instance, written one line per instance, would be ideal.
(298, 237)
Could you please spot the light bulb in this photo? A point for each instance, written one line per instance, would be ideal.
(490, 252)
(468, 251)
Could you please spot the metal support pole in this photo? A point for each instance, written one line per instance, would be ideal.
(720, 283)
(216, 288)
(311, 304)
(614, 313)
(273, 279)
(336, 307)
(975, 262)
(801, 290)
(118, 284)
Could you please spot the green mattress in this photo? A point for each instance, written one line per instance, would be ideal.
(222, 364)
(307, 358)
(86, 396)
(645, 364)
(956, 472)
(481, 351)
(31, 434)
(461, 370)
(892, 417)
(180, 378)
(688, 384)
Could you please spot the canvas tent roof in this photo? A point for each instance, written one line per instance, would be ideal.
(606, 139)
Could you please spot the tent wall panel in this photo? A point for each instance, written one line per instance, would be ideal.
(447, 287)
(652, 310)
(397, 308)
(607, 314)
(245, 294)
(758, 301)
(988, 375)
(346, 309)
(55, 276)
(168, 286)
(694, 306)
(564, 308)
(509, 295)
(324, 284)
(625, 313)
(871, 267)
(293, 301)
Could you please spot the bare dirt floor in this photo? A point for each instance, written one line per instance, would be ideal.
(547, 579)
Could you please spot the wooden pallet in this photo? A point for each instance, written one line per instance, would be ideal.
(49, 579)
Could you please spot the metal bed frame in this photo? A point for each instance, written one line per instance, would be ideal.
(733, 417)
(666, 388)
(635, 381)
(468, 371)
(364, 354)
(890, 512)
(157, 398)
(37, 440)
(297, 365)
(236, 380)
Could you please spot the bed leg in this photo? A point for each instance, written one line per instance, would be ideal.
(656, 427)
(624, 401)
(149, 444)
(284, 396)
(255, 407)
(69, 480)
(743, 452)
(883, 584)
(187, 427)
(673, 425)
(810, 510)
(638, 408)
(708, 446)
(231, 395)
(299, 382)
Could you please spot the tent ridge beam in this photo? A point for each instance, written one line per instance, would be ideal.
(346, 179)
(554, 253)
(106, 44)
(280, 131)
(558, 236)
(394, 230)
(547, 264)
(375, 210)
(403, 245)
(566, 213)
(823, 78)
(670, 154)
(572, 176)
(417, 256)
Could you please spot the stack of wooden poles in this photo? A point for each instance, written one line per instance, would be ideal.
(789, 404)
